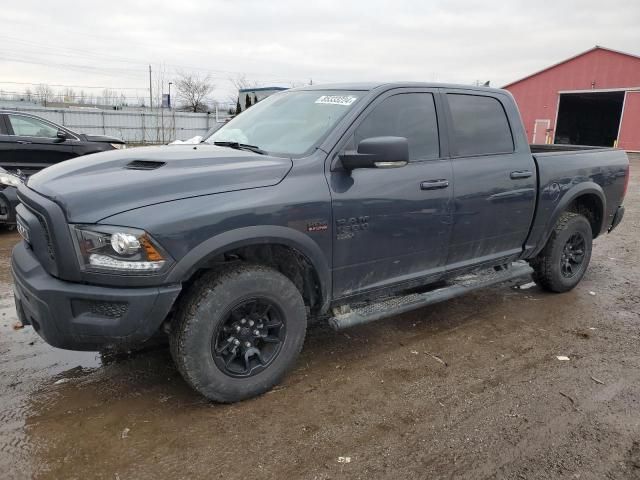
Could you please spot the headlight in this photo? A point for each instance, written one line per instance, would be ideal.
(10, 179)
(121, 250)
(118, 146)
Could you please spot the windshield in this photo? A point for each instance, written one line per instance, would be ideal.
(288, 123)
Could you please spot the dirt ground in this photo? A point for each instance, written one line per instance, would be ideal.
(500, 406)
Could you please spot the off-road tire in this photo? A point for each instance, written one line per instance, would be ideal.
(207, 307)
(547, 265)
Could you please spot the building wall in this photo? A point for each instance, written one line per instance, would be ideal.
(537, 96)
(629, 137)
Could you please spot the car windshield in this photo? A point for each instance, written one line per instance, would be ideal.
(288, 123)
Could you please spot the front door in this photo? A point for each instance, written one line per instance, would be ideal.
(392, 225)
(35, 144)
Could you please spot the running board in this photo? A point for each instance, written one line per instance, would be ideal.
(346, 316)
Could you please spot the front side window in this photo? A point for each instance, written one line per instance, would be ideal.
(31, 127)
(409, 115)
(480, 125)
(288, 123)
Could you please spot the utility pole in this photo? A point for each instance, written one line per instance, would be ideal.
(150, 91)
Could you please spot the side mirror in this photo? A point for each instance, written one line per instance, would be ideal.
(61, 135)
(378, 152)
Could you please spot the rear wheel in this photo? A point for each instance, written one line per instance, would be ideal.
(239, 332)
(565, 258)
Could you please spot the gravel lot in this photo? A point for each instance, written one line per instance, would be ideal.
(471, 388)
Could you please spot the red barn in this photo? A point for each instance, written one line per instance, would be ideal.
(590, 99)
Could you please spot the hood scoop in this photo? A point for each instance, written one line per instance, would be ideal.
(144, 165)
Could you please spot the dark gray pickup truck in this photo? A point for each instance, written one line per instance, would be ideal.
(344, 204)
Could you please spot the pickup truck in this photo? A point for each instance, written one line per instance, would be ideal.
(342, 204)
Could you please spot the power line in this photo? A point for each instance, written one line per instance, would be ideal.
(86, 54)
(73, 86)
(214, 73)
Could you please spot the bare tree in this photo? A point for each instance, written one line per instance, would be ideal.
(240, 83)
(110, 97)
(160, 83)
(28, 95)
(193, 91)
(68, 95)
(44, 93)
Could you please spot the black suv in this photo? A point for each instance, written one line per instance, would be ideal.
(29, 143)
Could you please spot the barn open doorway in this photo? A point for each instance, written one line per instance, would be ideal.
(591, 118)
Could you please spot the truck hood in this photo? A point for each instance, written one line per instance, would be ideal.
(97, 186)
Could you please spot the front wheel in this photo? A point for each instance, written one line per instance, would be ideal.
(562, 263)
(238, 332)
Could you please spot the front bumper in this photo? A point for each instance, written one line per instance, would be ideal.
(75, 316)
(8, 202)
(617, 218)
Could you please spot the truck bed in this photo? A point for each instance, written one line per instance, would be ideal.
(566, 170)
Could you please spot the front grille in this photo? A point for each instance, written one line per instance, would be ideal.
(47, 235)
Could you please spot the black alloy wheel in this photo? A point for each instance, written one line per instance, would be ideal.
(572, 256)
(250, 338)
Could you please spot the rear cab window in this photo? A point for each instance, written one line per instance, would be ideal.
(479, 125)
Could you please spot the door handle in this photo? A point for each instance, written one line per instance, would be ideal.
(23, 142)
(520, 174)
(434, 184)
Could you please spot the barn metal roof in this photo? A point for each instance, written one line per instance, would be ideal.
(597, 47)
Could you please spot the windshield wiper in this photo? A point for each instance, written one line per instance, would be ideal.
(241, 146)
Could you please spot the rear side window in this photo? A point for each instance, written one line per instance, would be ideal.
(480, 125)
(409, 115)
(3, 128)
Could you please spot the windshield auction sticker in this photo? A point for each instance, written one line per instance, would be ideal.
(345, 100)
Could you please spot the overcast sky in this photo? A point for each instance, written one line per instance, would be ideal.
(283, 41)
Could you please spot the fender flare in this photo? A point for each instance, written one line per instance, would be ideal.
(256, 235)
(585, 188)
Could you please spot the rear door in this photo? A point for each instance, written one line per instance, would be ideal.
(36, 144)
(392, 225)
(494, 197)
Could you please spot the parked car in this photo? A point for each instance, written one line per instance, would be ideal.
(343, 204)
(9, 183)
(29, 143)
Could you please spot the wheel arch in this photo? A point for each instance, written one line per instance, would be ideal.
(586, 198)
(255, 237)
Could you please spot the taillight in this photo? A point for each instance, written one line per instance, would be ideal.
(626, 182)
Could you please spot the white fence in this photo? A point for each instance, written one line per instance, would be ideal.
(137, 127)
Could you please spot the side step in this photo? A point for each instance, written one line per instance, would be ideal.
(349, 317)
